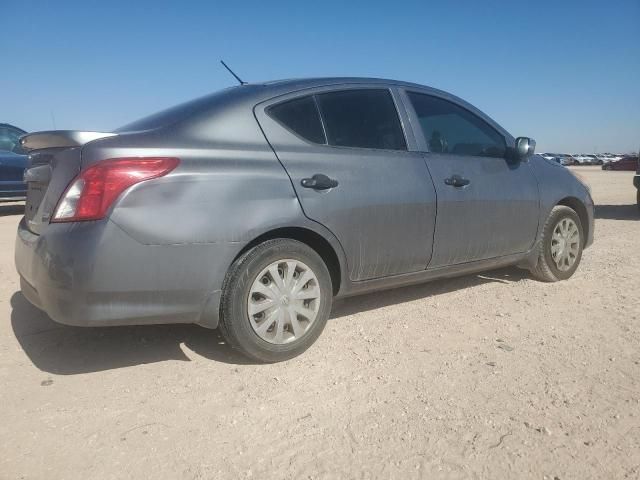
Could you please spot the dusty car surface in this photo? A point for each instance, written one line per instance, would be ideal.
(252, 208)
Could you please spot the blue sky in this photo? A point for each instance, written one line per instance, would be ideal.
(564, 72)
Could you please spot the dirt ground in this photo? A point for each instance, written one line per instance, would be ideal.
(484, 376)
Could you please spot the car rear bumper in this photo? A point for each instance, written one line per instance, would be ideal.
(94, 274)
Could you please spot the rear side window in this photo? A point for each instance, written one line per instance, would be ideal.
(450, 129)
(361, 118)
(301, 117)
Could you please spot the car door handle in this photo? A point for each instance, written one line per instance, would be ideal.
(319, 182)
(457, 181)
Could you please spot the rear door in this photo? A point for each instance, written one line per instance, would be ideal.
(12, 168)
(487, 206)
(349, 161)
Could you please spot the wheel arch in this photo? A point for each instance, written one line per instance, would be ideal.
(312, 239)
(576, 205)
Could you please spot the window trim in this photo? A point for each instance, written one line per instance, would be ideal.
(268, 109)
(425, 144)
(393, 91)
(360, 88)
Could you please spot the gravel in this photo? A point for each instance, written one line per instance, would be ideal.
(372, 399)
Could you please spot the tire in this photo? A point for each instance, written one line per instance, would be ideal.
(638, 198)
(546, 269)
(275, 343)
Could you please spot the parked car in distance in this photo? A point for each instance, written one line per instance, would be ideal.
(554, 157)
(252, 208)
(566, 159)
(576, 159)
(636, 183)
(13, 161)
(626, 163)
(557, 157)
(585, 159)
(592, 160)
(606, 157)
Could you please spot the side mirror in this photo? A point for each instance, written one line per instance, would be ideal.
(525, 147)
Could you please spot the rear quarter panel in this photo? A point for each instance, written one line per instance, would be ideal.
(228, 189)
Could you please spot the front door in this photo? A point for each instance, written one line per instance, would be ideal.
(487, 206)
(347, 157)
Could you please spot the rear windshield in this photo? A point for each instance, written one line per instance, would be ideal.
(183, 111)
(163, 118)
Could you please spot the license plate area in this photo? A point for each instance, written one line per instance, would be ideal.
(35, 194)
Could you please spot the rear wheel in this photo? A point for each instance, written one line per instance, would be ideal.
(560, 249)
(638, 197)
(276, 300)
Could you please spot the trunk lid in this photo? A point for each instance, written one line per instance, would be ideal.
(54, 160)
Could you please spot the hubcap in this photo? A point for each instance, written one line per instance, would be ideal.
(565, 244)
(283, 301)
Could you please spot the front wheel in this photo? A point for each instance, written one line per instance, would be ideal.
(560, 249)
(276, 300)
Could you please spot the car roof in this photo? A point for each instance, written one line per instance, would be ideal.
(255, 93)
(8, 125)
(300, 83)
(272, 88)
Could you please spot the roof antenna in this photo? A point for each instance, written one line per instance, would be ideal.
(231, 72)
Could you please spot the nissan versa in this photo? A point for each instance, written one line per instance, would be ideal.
(252, 208)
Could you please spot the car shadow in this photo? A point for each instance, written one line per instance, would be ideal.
(371, 301)
(7, 209)
(65, 350)
(617, 212)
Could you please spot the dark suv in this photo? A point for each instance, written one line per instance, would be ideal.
(13, 161)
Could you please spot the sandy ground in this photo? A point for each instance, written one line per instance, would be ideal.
(484, 376)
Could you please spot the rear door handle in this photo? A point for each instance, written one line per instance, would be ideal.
(319, 182)
(457, 181)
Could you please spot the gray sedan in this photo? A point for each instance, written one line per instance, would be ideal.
(251, 209)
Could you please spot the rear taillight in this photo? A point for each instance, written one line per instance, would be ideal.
(92, 193)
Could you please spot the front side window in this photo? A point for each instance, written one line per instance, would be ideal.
(301, 117)
(451, 129)
(361, 118)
